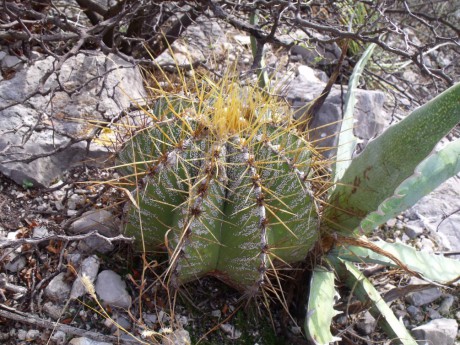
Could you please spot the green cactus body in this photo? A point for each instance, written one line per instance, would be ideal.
(231, 205)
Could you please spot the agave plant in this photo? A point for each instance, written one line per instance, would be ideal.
(227, 185)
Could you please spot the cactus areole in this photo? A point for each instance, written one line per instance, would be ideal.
(224, 188)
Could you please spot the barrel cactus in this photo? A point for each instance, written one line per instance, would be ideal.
(226, 185)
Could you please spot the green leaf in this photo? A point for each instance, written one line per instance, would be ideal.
(321, 307)
(365, 291)
(428, 175)
(264, 81)
(433, 267)
(347, 140)
(387, 161)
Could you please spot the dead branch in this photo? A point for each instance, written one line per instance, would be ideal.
(18, 316)
(4, 243)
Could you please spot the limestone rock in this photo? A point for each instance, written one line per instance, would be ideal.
(58, 288)
(439, 332)
(423, 297)
(86, 341)
(370, 118)
(95, 87)
(89, 268)
(111, 289)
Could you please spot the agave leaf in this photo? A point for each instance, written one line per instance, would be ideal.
(321, 307)
(365, 291)
(433, 267)
(347, 140)
(387, 161)
(264, 81)
(434, 170)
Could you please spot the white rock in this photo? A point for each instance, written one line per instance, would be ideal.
(307, 73)
(370, 116)
(58, 338)
(86, 341)
(431, 209)
(178, 337)
(243, 39)
(32, 334)
(58, 289)
(216, 313)
(111, 289)
(40, 232)
(22, 334)
(97, 99)
(75, 200)
(89, 268)
(439, 332)
(366, 325)
(230, 331)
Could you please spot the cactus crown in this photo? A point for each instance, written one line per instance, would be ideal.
(224, 184)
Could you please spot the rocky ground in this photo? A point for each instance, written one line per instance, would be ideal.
(58, 222)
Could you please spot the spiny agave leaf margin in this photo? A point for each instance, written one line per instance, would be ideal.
(365, 291)
(347, 140)
(387, 161)
(436, 268)
(433, 171)
(320, 309)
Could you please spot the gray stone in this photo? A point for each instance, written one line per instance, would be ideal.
(89, 268)
(52, 310)
(446, 304)
(230, 331)
(323, 54)
(86, 341)
(432, 209)
(117, 322)
(111, 289)
(58, 289)
(40, 232)
(58, 338)
(41, 124)
(391, 223)
(14, 262)
(426, 245)
(216, 313)
(370, 118)
(423, 297)
(415, 313)
(10, 61)
(433, 314)
(178, 337)
(439, 332)
(22, 334)
(205, 36)
(414, 228)
(75, 201)
(32, 334)
(99, 220)
(366, 325)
